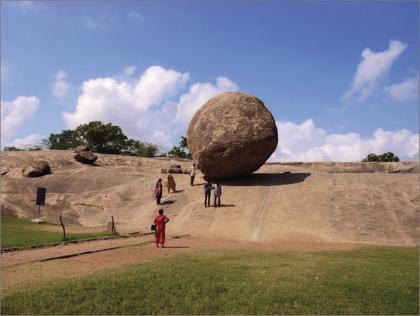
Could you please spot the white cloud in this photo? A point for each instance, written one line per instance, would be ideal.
(372, 70)
(404, 91)
(306, 142)
(60, 85)
(128, 71)
(137, 106)
(198, 94)
(136, 17)
(93, 24)
(149, 108)
(25, 142)
(14, 114)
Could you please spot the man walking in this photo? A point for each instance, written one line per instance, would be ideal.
(217, 194)
(207, 193)
(192, 174)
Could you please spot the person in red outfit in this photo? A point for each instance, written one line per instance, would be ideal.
(160, 221)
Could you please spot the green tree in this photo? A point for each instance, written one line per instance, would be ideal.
(64, 140)
(385, 157)
(182, 150)
(12, 148)
(102, 138)
(138, 148)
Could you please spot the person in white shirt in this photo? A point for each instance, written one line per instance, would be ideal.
(192, 174)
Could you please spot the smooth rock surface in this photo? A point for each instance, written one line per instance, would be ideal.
(232, 134)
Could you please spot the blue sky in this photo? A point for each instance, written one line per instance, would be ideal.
(148, 66)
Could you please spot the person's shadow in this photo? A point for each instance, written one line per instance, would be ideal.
(167, 202)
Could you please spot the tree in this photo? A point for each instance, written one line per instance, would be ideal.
(385, 157)
(182, 150)
(12, 148)
(137, 148)
(64, 140)
(100, 138)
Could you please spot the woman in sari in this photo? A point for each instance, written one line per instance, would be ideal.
(170, 183)
(158, 191)
(160, 221)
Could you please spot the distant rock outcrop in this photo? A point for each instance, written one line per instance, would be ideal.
(233, 134)
(81, 148)
(86, 157)
(174, 169)
(36, 169)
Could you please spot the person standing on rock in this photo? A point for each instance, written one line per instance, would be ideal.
(158, 191)
(160, 221)
(217, 194)
(192, 174)
(207, 193)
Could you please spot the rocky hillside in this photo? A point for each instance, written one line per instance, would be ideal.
(374, 203)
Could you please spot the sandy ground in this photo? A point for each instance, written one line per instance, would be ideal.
(323, 202)
(32, 267)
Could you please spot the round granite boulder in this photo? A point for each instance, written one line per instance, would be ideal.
(232, 134)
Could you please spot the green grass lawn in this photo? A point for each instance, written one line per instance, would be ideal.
(365, 281)
(18, 232)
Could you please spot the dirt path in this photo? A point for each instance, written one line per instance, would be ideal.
(33, 267)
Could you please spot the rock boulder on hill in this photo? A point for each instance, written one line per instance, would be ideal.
(86, 157)
(174, 169)
(36, 169)
(81, 148)
(233, 134)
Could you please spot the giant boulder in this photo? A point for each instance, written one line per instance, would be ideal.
(232, 134)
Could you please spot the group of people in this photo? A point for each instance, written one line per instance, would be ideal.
(161, 220)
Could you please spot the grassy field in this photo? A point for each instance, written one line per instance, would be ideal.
(17, 232)
(364, 281)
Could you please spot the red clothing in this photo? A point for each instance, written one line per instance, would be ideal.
(160, 221)
(158, 190)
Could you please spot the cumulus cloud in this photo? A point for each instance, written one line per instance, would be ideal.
(404, 91)
(136, 105)
(25, 142)
(14, 114)
(60, 86)
(306, 142)
(198, 94)
(151, 107)
(372, 70)
(136, 17)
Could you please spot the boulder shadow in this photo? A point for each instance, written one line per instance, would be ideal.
(178, 191)
(267, 179)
